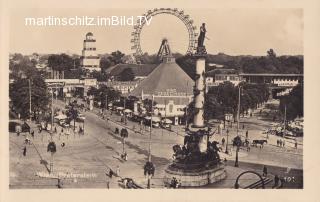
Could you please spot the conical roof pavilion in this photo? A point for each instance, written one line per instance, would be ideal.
(166, 80)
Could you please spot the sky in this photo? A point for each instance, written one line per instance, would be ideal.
(233, 31)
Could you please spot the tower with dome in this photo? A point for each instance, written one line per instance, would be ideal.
(89, 59)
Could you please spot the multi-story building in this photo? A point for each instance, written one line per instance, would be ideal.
(216, 77)
(89, 59)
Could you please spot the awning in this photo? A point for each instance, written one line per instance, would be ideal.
(154, 118)
(127, 110)
(167, 121)
(60, 116)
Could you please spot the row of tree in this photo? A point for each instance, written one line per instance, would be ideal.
(293, 102)
(271, 63)
(104, 95)
(27, 78)
(223, 99)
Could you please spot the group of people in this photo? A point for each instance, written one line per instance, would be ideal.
(281, 143)
(175, 183)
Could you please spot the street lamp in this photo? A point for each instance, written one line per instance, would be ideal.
(149, 168)
(236, 163)
(30, 111)
(227, 152)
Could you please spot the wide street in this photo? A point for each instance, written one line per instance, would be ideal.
(99, 149)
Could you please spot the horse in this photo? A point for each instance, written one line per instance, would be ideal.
(261, 142)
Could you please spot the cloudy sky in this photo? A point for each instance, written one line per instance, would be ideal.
(238, 31)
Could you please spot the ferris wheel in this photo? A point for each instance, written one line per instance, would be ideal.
(187, 21)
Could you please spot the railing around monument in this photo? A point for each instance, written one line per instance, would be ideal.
(195, 167)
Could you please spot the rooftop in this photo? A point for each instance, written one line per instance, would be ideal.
(138, 69)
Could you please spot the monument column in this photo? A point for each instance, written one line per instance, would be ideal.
(198, 120)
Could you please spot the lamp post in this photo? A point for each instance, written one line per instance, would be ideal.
(124, 108)
(236, 163)
(227, 152)
(51, 111)
(149, 157)
(30, 111)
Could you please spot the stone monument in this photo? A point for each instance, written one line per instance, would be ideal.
(197, 162)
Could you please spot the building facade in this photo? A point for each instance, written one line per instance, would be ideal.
(218, 79)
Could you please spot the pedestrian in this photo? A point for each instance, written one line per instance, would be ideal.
(277, 142)
(55, 129)
(243, 127)
(111, 173)
(174, 183)
(296, 144)
(282, 181)
(283, 143)
(276, 181)
(24, 151)
(247, 134)
(223, 141)
(280, 142)
(118, 171)
(248, 148)
(60, 184)
(265, 171)
(125, 181)
(32, 134)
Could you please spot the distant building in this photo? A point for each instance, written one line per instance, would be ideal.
(89, 59)
(279, 80)
(215, 65)
(66, 86)
(216, 77)
(124, 87)
(35, 57)
(170, 87)
(140, 71)
(54, 74)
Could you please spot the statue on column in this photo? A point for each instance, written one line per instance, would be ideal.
(201, 49)
(202, 35)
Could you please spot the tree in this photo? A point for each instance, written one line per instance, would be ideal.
(102, 93)
(127, 75)
(19, 95)
(73, 115)
(147, 103)
(99, 75)
(271, 53)
(148, 59)
(293, 103)
(60, 62)
(116, 57)
(21, 66)
(224, 98)
(105, 63)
